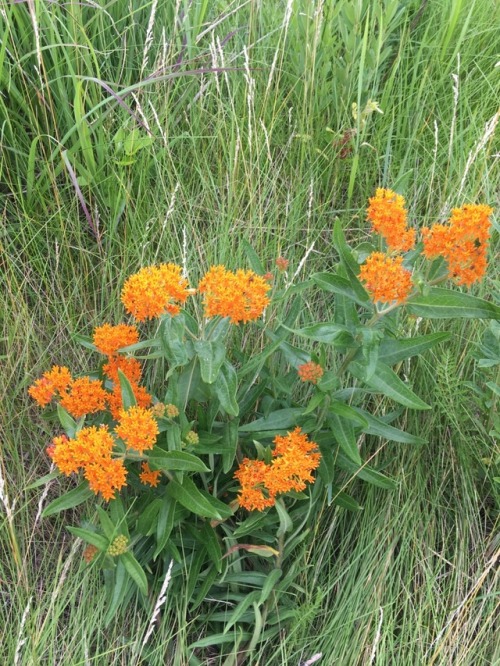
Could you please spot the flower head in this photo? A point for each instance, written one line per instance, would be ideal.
(52, 382)
(148, 476)
(109, 339)
(242, 295)
(90, 445)
(385, 278)
(254, 494)
(282, 264)
(118, 546)
(310, 372)
(106, 477)
(388, 216)
(85, 396)
(155, 290)
(463, 242)
(138, 428)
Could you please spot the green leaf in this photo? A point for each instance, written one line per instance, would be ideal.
(69, 500)
(348, 412)
(211, 542)
(379, 428)
(240, 609)
(135, 571)
(342, 499)
(253, 258)
(386, 381)
(97, 540)
(286, 523)
(322, 332)
(256, 363)
(67, 421)
(337, 284)
(230, 442)
(42, 481)
(187, 494)
(366, 473)
(317, 399)
(349, 263)
(343, 431)
(272, 578)
(211, 355)
(85, 341)
(445, 304)
(121, 584)
(173, 343)
(226, 386)
(175, 460)
(148, 517)
(128, 397)
(392, 351)
(165, 524)
(107, 525)
(278, 420)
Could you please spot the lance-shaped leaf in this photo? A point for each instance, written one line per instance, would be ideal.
(366, 473)
(445, 304)
(380, 428)
(128, 397)
(226, 386)
(68, 500)
(278, 420)
(326, 332)
(211, 355)
(386, 381)
(392, 351)
(135, 571)
(97, 540)
(175, 461)
(197, 501)
(349, 263)
(343, 431)
(336, 284)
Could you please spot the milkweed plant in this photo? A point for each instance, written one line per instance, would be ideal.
(215, 470)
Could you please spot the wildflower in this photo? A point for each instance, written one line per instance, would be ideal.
(138, 428)
(109, 339)
(148, 476)
(52, 382)
(282, 264)
(130, 367)
(463, 242)
(254, 495)
(118, 546)
(242, 295)
(115, 400)
(155, 290)
(171, 411)
(89, 553)
(385, 278)
(158, 409)
(90, 445)
(192, 437)
(310, 372)
(388, 217)
(106, 476)
(85, 396)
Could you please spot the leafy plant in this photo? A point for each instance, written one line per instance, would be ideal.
(207, 473)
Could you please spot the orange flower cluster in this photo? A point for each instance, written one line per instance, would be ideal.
(385, 278)
(147, 476)
(155, 290)
(109, 339)
(138, 428)
(310, 372)
(282, 264)
(388, 217)
(52, 382)
(463, 242)
(85, 396)
(294, 459)
(242, 295)
(91, 451)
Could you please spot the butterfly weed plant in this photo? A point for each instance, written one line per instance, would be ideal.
(216, 471)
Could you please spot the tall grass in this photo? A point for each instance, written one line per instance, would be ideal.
(170, 131)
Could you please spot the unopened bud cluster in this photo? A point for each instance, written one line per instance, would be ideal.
(118, 546)
(89, 553)
(192, 437)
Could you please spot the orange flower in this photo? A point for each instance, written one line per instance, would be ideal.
(385, 278)
(155, 290)
(310, 372)
(138, 428)
(282, 264)
(130, 367)
(106, 477)
(86, 396)
(148, 476)
(463, 242)
(388, 216)
(89, 553)
(90, 445)
(242, 296)
(109, 339)
(115, 402)
(294, 459)
(53, 381)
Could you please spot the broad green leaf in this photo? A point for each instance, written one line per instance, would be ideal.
(67, 421)
(376, 426)
(175, 460)
(286, 523)
(349, 263)
(269, 585)
(343, 431)
(135, 571)
(230, 441)
(337, 284)
(366, 473)
(190, 497)
(278, 420)
(386, 381)
(348, 412)
(174, 438)
(226, 386)
(148, 517)
(314, 402)
(445, 304)
(173, 342)
(107, 524)
(340, 498)
(69, 500)
(97, 540)
(128, 397)
(211, 355)
(322, 332)
(392, 351)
